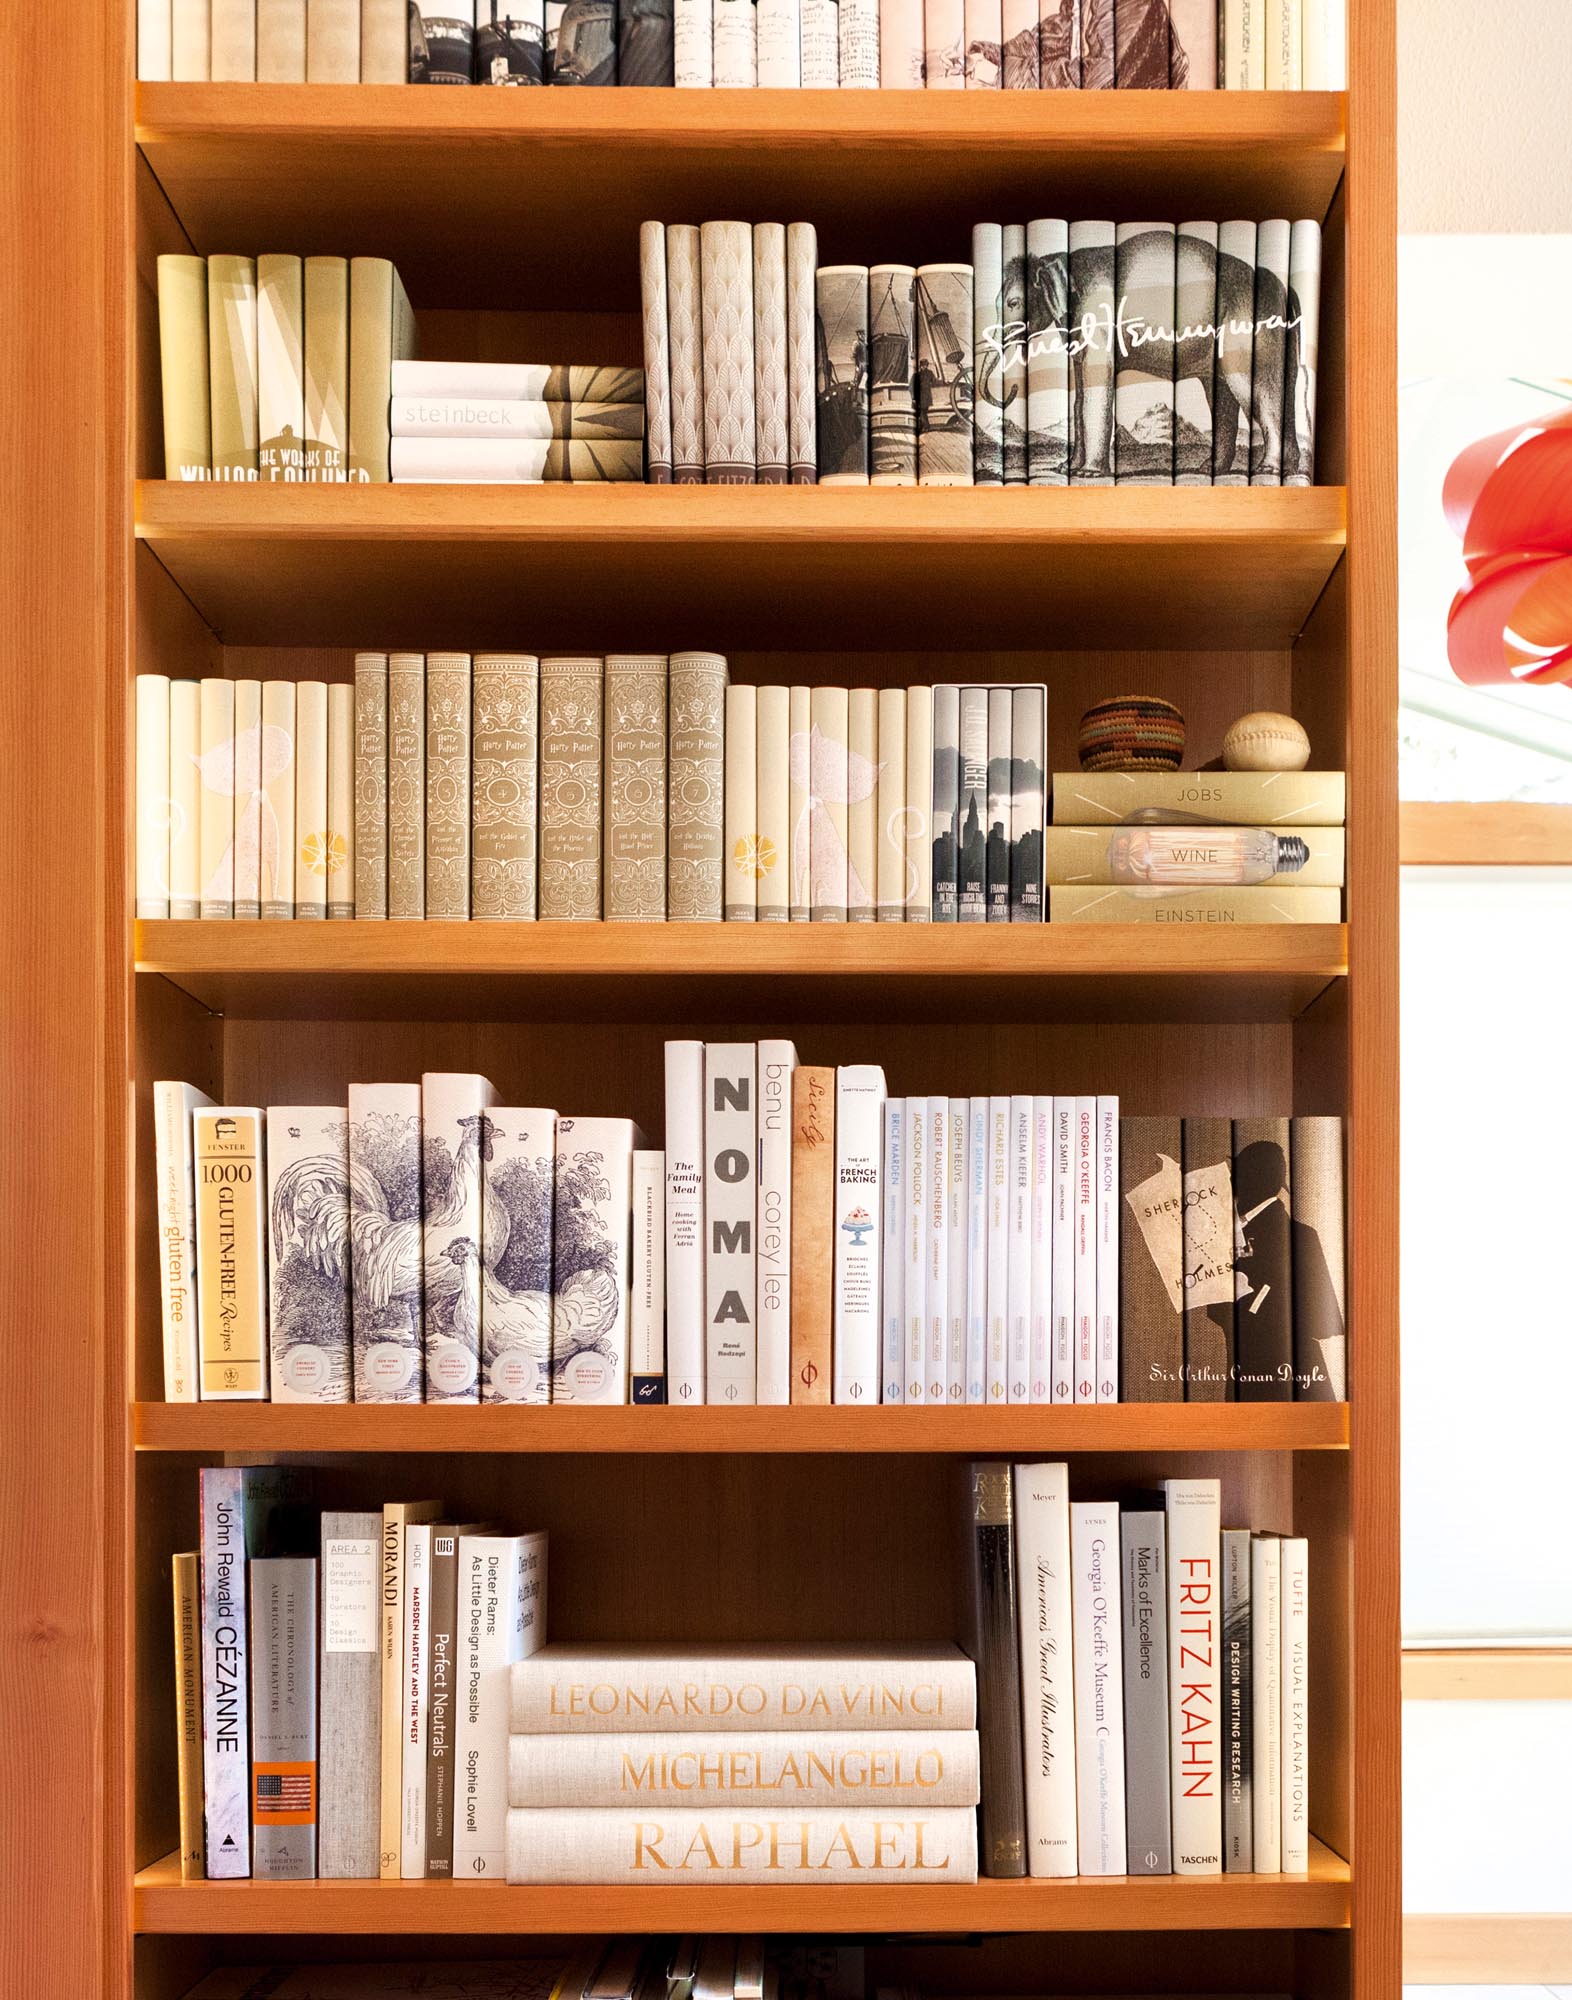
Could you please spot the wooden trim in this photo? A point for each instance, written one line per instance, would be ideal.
(1487, 1951)
(1504, 833)
(1539, 1673)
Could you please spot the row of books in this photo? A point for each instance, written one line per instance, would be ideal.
(320, 1658)
(640, 788)
(803, 1237)
(515, 423)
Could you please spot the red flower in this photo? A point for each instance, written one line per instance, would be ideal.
(1510, 499)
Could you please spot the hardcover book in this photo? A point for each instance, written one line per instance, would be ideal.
(695, 819)
(406, 785)
(1092, 302)
(892, 1290)
(454, 1137)
(309, 1253)
(414, 1700)
(777, 1064)
(771, 387)
(502, 1619)
(1296, 1705)
(1235, 353)
(1047, 353)
(1238, 1705)
(190, 33)
(802, 256)
(736, 47)
(892, 413)
(1194, 1676)
(647, 1330)
(217, 803)
(828, 780)
(442, 1654)
(1062, 1224)
(621, 1845)
(183, 365)
(1302, 353)
(971, 832)
(683, 291)
(799, 803)
(1266, 1703)
(919, 805)
(740, 894)
(1291, 905)
(1209, 1287)
(232, 365)
(448, 753)
(1107, 1252)
(1144, 1598)
(516, 1224)
(1014, 416)
(634, 861)
(311, 799)
(154, 41)
(1270, 402)
(1042, 1547)
(1292, 799)
(350, 1696)
(1151, 1261)
(1059, 38)
(1320, 1336)
(773, 786)
(657, 351)
(1285, 44)
(281, 393)
(385, 1241)
(591, 1271)
(909, 1196)
(533, 420)
(231, 1246)
(333, 41)
(276, 806)
(993, 1641)
(821, 57)
(730, 1199)
(946, 799)
(900, 45)
(942, 351)
(503, 806)
(327, 358)
(1028, 799)
(1141, 45)
(399, 1519)
(174, 1163)
(862, 804)
(726, 299)
(1192, 44)
(519, 381)
(1263, 1262)
(859, 1099)
(685, 1240)
(1144, 371)
(284, 1718)
(571, 694)
(442, 44)
(185, 800)
(841, 344)
(371, 785)
(1099, 1688)
(989, 349)
(944, 45)
(187, 1576)
(249, 797)
(1195, 351)
(812, 1230)
(859, 44)
(996, 1376)
(780, 44)
(381, 334)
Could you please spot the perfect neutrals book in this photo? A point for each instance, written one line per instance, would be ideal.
(386, 1287)
(1042, 1551)
(1320, 1327)
(187, 1576)
(812, 1232)
(1195, 1639)
(503, 806)
(571, 697)
(516, 1244)
(805, 1846)
(685, 1241)
(993, 1640)
(284, 1718)
(1263, 1262)
(448, 753)
(859, 1099)
(381, 334)
(309, 1323)
(730, 1198)
(1151, 1261)
(406, 738)
(174, 1165)
(1209, 1286)
(695, 787)
(592, 1261)
(502, 1620)
(1144, 1602)
(634, 860)
(442, 1699)
(1099, 1687)
(371, 785)
(231, 1252)
(350, 1696)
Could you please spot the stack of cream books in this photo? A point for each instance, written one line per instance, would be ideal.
(724, 1763)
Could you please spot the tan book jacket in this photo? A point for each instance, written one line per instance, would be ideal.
(217, 815)
(447, 784)
(504, 807)
(312, 837)
(406, 785)
(281, 403)
(327, 367)
(1195, 906)
(281, 46)
(249, 798)
(232, 365)
(381, 331)
(774, 804)
(384, 41)
(799, 895)
(827, 785)
(152, 795)
(183, 365)
(571, 693)
(862, 804)
(277, 872)
(341, 800)
(812, 1227)
(397, 1516)
(226, 1144)
(634, 861)
(696, 822)
(333, 41)
(837, 1844)
(232, 44)
(190, 41)
(890, 890)
(371, 784)
(185, 799)
(740, 898)
(1291, 800)
(919, 805)
(188, 1714)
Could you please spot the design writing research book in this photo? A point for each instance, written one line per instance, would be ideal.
(371, 785)
(945, 799)
(185, 800)
(1108, 1330)
(812, 1228)
(381, 334)
(634, 860)
(726, 302)
(1209, 1312)
(611, 1690)
(1320, 1338)
(385, 1221)
(942, 348)
(503, 812)
(1151, 1261)
(231, 1245)
(350, 1697)
(957, 1250)
(453, 1110)
(1195, 351)
(1084, 1210)
(695, 787)
(919, 803)
(1303, 350)
(1144, 1598)
(1143, 376)
(771, 391)
(153, 804)
(993, 1640)
(730, 1196)
(1291, 799)
(276, 806)
(1062, 1227)
(841, 340)
(998, 1250)
(174, 1163)
(502, 1620)
(284, 1718)
(977, 1152)
(571, 696)
(249, 797)
(799, 804)
(827, 784)
(1296, 1705)
(183, 366)
(1263, 1262)
(1018, 1295)
(988, 354)
(517, 1217)
(657, 352)
(592, 1259)
(802, 1846)
(862, 804)
(414, 1700)
(859, 1100)
(1042, 1551)
(399, 1519)
(892, 1293)
(232, 365)
(740, 895)
(311, 800)
(769, 1772)
(773, 786)
(406, 785)
(1266, 1702)
(1012, 296)
(909, 1195)
(1194, 906)
(187, 1576)
(1235, 353)
(1194, 1675)
(333, 41)
(1268, 386)
(685, 1259)
(1099, 1687)
(936, 1274)
(1238, 1705)
(777, 1064)
(971, 832)
(1092, 295)
(1047, 352)
(647, 1330)
(217, 803)
(802, 256)
(310, 1329)
(448, 741)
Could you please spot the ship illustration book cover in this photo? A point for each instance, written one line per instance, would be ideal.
(841, 373)
(942, 377)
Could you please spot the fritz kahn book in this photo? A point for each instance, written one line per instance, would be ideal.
(232, 365)
(516, 1242)
(862, 804)
(281, 405)
(333, 42)
(381, 334)
(501, 1620)
(1290, 905)
(406, 785)
(1099, 1687)
(1296, 1705)
(1234, 364)
(988, 354)
(971, 830)
(859, 1100)
(311, 796)
(1195, 351)
(1144, 370)
(812, 1227)
(1028, 783)
(730, 1199)
(647, 1329)
(1292, 799)
(276, 807)
(248, 797)
(217, 805)
(308, 1253)
(645, 53)
(1042, 1549)
(1303, 353)
(892, 413)
(842, 350)
(683, 292)
(453, 1110)
(657, 352)
(371, 785)
(1144, 1598)
(726, 299)
(349, 1696)
(385, 1238)
(443, 1692)
(340, 853)
(187, 1572)
(503, 803)
(1194, 1678)
(993, 1641)
(777, 1064)
(510, 47)
(633, 864)
(1320, 1339)
(828, 782)
(770, 387)
(919, 802)
(890, 812)
(945, 799)
(1209, 1291)
(185, 800)
(1047, 353)
(892, 1294)
(772, 786)
(570, 789)
(810, 1846)
(174, 1164)
(448, 712)
(284, 1718)
(685, 1240)
(1238, 1705)
(740, 891)
(398, 1518)
(941, 357)
(1092, 307)
(1151, 1261)
(231, 1231)
(414, 1701)
(327, 365)
(591, 1269)
(1269, 401)
(1012, 315)
(1263, 1262)
(695, 787)
(1266, 1703)
(802, 256)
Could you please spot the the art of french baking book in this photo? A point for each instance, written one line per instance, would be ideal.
(309, 1325)
(647, 1329)
(516, 1241)
(862, 805)
(174, 1165)
(1099, 1687)
(231, 1247)
(1266, 1702)
(892, 1290)
(812, 1230)
(993, 1641)
(283, 1593)
(232, 365)
(448, 711)
(183, 366)
(805, 1846)
(502, 1620)
(1296, 1705)
(153, 807)
(592, 1265)
(1238, 1705)
(1144, 1598)
(634, 861)
(695, 787)
(398, 1517)
(1320, 1326)
(350, 1697)
(773, 806)
(571, 698)
(453, 1108)
(1042, 1553)
(1209, 1288)
(503, 799)
(730, 1200)
(1195, 1642)
(1286, 799)
(371, 785)
(1151, 1261)
(414, 1701)
(406, 739)
(385, 1222)
(685, 1256)
(381, 332)
(1263, 1262)
(777, 1064)
(740, 894)
(859, 1101)
(187, 1575)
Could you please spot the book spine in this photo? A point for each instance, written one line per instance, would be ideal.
(946, 793)
(276, 804)
(1325, 38)
(726, 304)
(371, 785)
(232, 365)
(777, 1061)
(773, 786)
(453, 1110)
(617, 1846)
(154, 807)
(998, 1250)
(515, 461)
(1151, 1261)
(1268, 405)
(592, 1264)
(685, 1238)
(993, 1641)
(188, 1713)
(396, 1517)
(1144, 382)
(341, 802)
(1018, 1334)
(941, 343)
(596, 383)
(890, 810)
(333, 41)
(440, 1714)
(1047, 352)
(503, 803)
(226, 1723)
(1195, 302)
(936, 1257)
(693, 28)
(912, 1202)
(448, 755)
(900, 45)
(1320, 1335)
(381, 334)
(350, 1697)
(821, 57)
(988, 352)
(892, 305)
(892, 1300)
(1284, 26)
(736, 45)
(971, 829)
(1263, 1261)
(248, 799)
(1107, 1250)
(1027, 800)
(183, 361)
(1302, 348)
(1092, 288)
(812, 1231)
(190, 42)
(827, 858)
(780, 44)
(502, 1619)
(1194, 1676)
(1266, 1703)
(977, 1250)
(1099, 1688)
(154, 41)
(1296, 1705)
(517, 1217)
(1040, 1343)
(571, 695)
(956, 1252)
(1244, 45)
(657, 353)
(919, 802)
(1019, 55)
(859, 44)
(983, 27)
(862, 805)
(1292, 799)
(741, 882)
(308, 1261)
(311, 799)
(217, 810)
(326, 348)
(185, 800)
(1192, 39)
(1042, 1550)
(384, 41)
(175, 1169)
(1097, 44)
(284, 1718)
(1144, 1570)
(1208, 1261)
(634, 862)
(1194, 906)
(1238, 1705)
(1063, 1336)
(800, 800)
(406, 785)
(414, 1701)
(841, 292)
(647, 1331)
(384, 1223)
(1233, 359)
(1012, 270)
(1084, 1201)
(683, 298)
(226, 1145)
(696, 786)
(802, 256)
(771, 392)
(859, 1099)
(730, 1197)
(944, 45)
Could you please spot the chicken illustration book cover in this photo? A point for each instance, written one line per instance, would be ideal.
(309, 1253)
(386, 1241)
(518, 1150)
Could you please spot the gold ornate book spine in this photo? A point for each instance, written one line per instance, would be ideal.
(571, 692)
(406, 785)
(231, 1257)
(311, 799)
(697, 787)
(504, 786)
(371, 784)
(634, 859)
(447, 784)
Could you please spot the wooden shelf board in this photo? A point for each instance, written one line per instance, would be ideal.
(568, 176)
(1319, 1901)
(562, 566)
(714, 972)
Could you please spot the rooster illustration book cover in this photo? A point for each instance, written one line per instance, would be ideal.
(309, 1252)
(453, 1109)
(518, 1150)
(385, 1225)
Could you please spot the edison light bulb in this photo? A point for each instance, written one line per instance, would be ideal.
(1211, 856)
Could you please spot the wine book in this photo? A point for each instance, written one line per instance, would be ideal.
(683, 286)
(859, 1102)
(1028, 800)
(892, 1292)
(1042, 1553)
(813, 1190)
(1062, 1226)
(945, 800)
(726, 337)
(802, 256)
(571, 695)
(862, 804)
(1320, 1329)
(516, 1246)
(1099, 1687)
(153, 804)
(695, 787)
(657, 351)
(1194, 906)
(185, 800)
(1295, 800)
(971, 812)
(1144, 382)
(503, 812)
(988, 354)
(919, 802)
(775, 1770)
(406, 737)
(740, 893)
(174, 1163)
(448, 756)
(187, 1575)
(777, 1065)
(231, 1252)
(1263, 1262)
(993, 1640)
(1268, 387)
(647, 1327)
(514, 417)
(385, 1222)
(249, 795)
(1200, 855)
(1108, 1331)
(773, 803)
(501, 1621)
(592, 1259)
(216, 832)
(453, 1111)
(771, 391)
(805, 1846)
(183, 366)
(1235, 322)
(828, 783)
(1209, 1315)
(890, 811)
(500, 461)
(1144, 1600)
(1195, 351)
(382, 338)
(371, 785)
(1238, 1705)
(1047, 352)
(232, 365)
(1092, 304)
(1266, 1703)
(685, 1242)
(1296, 1705)
(633, 862)
(730, 1198)
(275, 805)
(284, 1718)
(310, 1330)
(1194, 1674)
(1151, 1261)
(841, 292)
(350, 1697)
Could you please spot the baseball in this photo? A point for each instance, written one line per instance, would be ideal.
(1266, 742)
